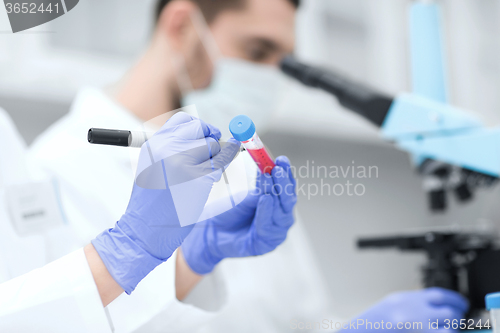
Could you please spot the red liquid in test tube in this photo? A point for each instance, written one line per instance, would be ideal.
(262, 158)
(243, 129)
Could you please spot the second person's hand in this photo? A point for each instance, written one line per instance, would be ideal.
(414, 311)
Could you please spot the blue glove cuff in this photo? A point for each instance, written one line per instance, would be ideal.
(126, 261)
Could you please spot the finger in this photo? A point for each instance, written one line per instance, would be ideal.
(178, 119)
(228, 151)
(264, 182)
(263, 215)
(206, 159)
(284, 189)
(193, 163)
(284, 162)
(210, 130)
(250, 202)
(441, 296)
(283, 221)
(193, 129)
(445, 314)
(204, 150)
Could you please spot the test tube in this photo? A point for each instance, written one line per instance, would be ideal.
(243, 129)
(493, 306)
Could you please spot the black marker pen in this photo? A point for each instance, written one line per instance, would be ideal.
(120, 138)
(101, 136)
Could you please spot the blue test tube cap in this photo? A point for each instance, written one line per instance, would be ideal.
(492, 301)
(242, 128)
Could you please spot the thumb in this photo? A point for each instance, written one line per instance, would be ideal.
(227, 153)
(251, 201)
(263, 214)
(178, 119)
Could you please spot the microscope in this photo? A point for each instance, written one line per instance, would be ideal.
(466, 262)
(451, 148)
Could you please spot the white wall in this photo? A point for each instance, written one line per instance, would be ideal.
(93, 44)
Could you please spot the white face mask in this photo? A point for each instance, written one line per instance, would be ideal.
(238, 87)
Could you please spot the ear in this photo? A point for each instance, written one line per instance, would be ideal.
(175, 21)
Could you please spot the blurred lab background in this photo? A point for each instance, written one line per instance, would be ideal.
(42, 69)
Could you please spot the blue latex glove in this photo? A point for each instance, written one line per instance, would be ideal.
(175, 166)
(422, 306)
(254, 227)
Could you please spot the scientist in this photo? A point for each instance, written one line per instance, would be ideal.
(180, 162)
(239, 45)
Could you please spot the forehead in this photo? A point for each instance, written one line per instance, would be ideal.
(269, 19)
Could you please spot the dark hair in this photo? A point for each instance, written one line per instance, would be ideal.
(210, 8)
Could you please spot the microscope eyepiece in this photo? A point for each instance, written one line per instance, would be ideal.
(354, 96)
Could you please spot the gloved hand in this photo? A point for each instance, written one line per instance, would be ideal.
(415, 307)
(254, 227)
(176, 170)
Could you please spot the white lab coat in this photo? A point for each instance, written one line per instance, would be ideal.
(259, 294)
(61, 296)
